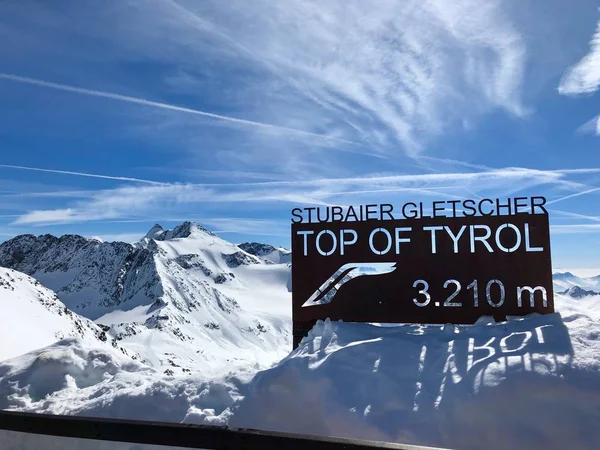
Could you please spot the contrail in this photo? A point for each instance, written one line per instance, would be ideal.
(83, 174)
(141, 101)
(589, 191)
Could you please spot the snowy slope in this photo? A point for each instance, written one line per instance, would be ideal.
(185, 299)
(527, 383)
(32, 316)
(531, 382)
(221, 306)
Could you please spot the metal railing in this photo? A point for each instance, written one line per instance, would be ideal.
(26, 431)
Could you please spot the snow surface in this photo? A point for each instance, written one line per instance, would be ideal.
(530, 382)
(32, 316)
(72, 377)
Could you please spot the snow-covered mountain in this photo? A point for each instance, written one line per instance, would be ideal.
(32, 316)
(577, 292)
(89, 276)
(277, 255)
(184, 298)
(566, 280)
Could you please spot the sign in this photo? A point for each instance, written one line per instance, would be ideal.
(464, 260)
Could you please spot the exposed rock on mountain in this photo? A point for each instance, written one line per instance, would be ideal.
(267, 252)
(32, 316)
(577, 292)
(185, 292)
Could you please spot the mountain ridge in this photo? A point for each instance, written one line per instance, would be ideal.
(578, 292)
(33, 317)
(267, 252)
(173, 288)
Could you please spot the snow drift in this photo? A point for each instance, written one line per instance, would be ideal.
(74, 377)
(530, 382)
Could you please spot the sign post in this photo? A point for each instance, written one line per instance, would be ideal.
(452, 266)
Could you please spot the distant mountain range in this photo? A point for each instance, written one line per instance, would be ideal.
(567, 283)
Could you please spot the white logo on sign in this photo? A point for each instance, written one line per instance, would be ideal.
(346, 273)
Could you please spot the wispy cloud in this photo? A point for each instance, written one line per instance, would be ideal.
(584, 76)
(577, 194)
(244, 225)
(141, 101)
(395, 73)
(222, 174)
(81, 174)
(123, 202)
(592, 126)
(66, 215)
(115, 203)
(575, 215)
(394, 77)
(575, 228)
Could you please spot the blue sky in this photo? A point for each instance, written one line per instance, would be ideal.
(232, 113)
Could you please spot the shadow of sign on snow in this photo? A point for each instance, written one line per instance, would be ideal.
(410, 383)
(483, 356)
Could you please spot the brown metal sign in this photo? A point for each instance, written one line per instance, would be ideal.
(450, 267)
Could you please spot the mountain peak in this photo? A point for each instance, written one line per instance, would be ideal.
(257, 248)
(267, 252)
(563, 275)
(155, 231)
(578, 292)
(184, 230)
(187, 229)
